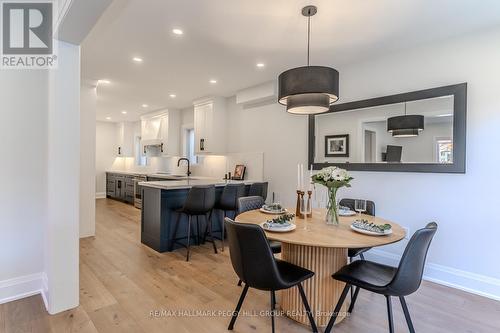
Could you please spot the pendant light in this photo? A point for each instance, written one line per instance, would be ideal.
(309, 89)
(405, 126)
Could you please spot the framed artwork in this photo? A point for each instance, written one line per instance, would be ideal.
(239, 172)
(337, 145)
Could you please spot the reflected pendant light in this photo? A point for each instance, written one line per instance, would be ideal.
(405, 126)
(308, 89)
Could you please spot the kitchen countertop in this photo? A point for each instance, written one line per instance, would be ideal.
(195, 181)
(156, 175)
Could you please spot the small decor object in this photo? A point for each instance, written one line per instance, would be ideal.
(274, 208)
(369, 228)
(300, 195)
(309, 204)
(308, 89)
(346, 211)
(337, 145)
(281, 223)
(332, 178)
(239, 172)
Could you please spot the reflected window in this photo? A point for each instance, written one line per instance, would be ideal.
(444, 151)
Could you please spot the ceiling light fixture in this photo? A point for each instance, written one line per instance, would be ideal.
(212, 81)
(173, 95)
(177, 31)
(308, 89)
(260, 65)
(137, 59)
(103, 81)
(144, 105)
(405, 126)
(124, 112)
(108, 118)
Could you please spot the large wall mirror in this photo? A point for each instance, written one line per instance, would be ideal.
(420, 131)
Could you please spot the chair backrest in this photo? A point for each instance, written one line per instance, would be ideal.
(411, 267)
(251, 256)
(259, 189)
(230, 195)
(200, 200)
(249, 203)
(370, 205)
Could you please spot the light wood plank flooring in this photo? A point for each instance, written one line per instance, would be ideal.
(123, 283)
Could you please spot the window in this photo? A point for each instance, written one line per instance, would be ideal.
(189, 145)
(140, 158)
(444, 150)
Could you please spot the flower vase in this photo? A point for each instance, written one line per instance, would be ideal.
(332, 216)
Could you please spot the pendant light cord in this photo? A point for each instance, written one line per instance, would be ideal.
(308, 35)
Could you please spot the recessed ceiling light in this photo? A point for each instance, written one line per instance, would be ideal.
(212, 81)
(103, 81)
(137, 59)
(108, 118)
(173, 95)
(260, 64)
(124, 112)
(145, 105)
(177, 31)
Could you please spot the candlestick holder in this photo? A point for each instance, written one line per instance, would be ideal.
(309, 203)
(298, 215)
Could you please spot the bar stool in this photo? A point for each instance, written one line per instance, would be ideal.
(229, 203)
(258, 189)
(199, 202)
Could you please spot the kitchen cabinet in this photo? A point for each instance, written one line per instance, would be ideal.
(160, 133)
(210, 126)
(120, 187)
(125, 139)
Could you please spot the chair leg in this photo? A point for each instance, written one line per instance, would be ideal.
(188, 237)
(209, 226)
(362, 256)
(389, 314)
(198, 242)
(353, 300)
(273, 306)
(335, 313)
(239, 283)
(222, 228)
(238, 308)
(172, 241)
(308, 308)
(407, 314)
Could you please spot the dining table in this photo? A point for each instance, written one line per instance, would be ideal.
(321, 248)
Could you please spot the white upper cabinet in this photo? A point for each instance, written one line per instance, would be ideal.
(125, 139)
(210, 126)
(160, 133)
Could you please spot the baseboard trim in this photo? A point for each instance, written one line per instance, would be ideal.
(20, 287)
(100, 195)
(478, 284)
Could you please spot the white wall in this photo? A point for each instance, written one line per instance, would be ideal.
(23, 212)
(464, 252)
(106, 134)
(88, 99)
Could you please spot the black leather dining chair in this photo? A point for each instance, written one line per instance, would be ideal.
(246, 204)
(259, 189)
(370, 210)
(228, 204)
(255, 265)
(199, 202)
(389, 281)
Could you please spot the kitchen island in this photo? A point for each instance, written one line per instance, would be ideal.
(160, 199)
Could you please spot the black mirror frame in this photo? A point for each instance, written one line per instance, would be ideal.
(459, 92)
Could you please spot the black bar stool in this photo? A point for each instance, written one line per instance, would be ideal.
(199, 202)
(228, 203)
(258, 189)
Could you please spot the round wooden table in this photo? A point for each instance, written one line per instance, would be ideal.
(322, 249)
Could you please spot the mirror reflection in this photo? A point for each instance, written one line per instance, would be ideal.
(412, 132)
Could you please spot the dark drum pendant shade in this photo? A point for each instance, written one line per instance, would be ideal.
(309, 89)
(405, 126)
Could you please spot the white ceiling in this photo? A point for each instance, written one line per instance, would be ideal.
(224, 39)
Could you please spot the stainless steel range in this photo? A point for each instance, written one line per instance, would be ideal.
(138, 190)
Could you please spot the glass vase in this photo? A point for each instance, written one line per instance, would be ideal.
(332, 215)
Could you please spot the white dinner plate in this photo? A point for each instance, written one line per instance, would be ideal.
(275, 212)
(346, 212)
(285, 229)
(371, 233)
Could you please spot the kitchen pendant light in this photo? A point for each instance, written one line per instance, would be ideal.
(308, 89)
(405, 126)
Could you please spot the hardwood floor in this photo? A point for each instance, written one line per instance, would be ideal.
(125, 286)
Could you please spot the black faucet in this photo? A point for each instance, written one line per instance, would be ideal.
(184, 159)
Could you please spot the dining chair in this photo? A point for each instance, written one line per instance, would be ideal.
(246, 204)
(228, 204)
(386, 280)
(255, 265)
(370, 210)
(259, 189)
